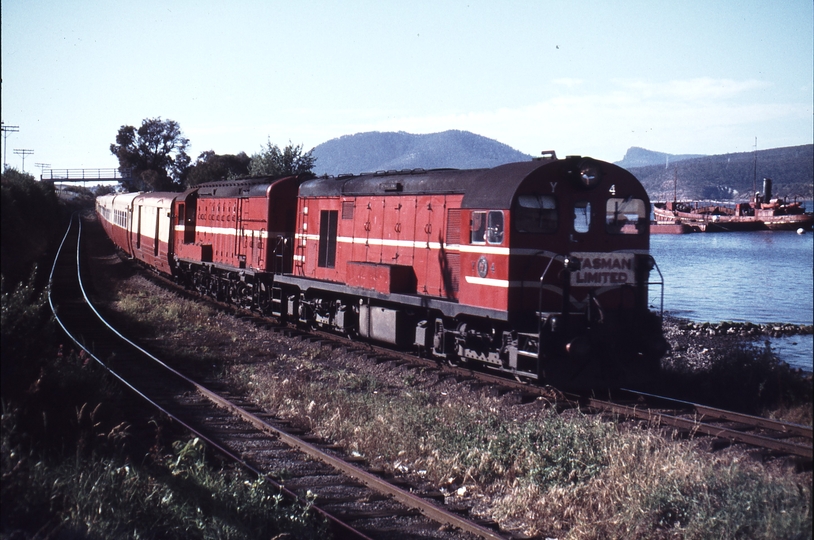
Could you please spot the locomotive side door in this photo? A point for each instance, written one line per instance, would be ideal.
(431, 260)
(398, 224)
(138, 227)
(241, 207)
(189, 217)
(371, 218)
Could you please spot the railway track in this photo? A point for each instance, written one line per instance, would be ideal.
(355, 502)
(775, 438)
(781, 438)
(722, 427)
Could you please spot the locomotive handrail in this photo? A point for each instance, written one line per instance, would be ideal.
(661, 284)
(540, 293)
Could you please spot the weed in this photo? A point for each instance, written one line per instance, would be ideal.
(179, 497)
(565, 476)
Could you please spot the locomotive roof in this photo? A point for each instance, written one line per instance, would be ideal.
(256, 186)
(481, 188)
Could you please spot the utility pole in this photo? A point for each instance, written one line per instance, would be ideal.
(754, 177)
(42, 167)
(23, 152)
(6, 130)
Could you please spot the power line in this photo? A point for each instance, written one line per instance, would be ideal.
(23, 152)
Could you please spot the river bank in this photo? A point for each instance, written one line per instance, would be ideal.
(754, 281)
(744, 329)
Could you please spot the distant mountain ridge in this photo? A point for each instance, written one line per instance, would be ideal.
(640, 157)
(692, 176)
(727, 176)
(383, 151)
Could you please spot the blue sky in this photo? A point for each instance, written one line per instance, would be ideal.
(579, 77)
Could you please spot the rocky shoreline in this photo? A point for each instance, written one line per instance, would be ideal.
(696, 347)
(742, 329)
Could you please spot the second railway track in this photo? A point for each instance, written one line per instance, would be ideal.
(357, 503)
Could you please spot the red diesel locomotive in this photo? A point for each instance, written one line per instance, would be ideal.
(540, 268)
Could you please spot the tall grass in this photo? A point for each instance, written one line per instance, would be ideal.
(564, 476)
(745, 378)
(556, 475)
(178, 496)
(652, 488)
(77, 462)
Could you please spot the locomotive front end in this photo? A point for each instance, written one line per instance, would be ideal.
(580, 257)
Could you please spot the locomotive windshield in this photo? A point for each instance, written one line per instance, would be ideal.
(582, 216)
(625, 216)
(535, 214)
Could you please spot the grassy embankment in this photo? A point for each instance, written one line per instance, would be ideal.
(558, 475)
(70, 463)
(79, 457)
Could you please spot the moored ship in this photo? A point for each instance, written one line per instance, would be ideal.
(762, 213)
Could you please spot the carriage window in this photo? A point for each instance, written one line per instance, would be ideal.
(625, 216)
(582, 216)
(535, 214)
(180, 220)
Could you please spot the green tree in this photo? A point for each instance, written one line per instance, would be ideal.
(30, 221)
(211, 167)
(156, 152)
(272, 161)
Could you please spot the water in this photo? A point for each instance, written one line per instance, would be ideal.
(758, 277)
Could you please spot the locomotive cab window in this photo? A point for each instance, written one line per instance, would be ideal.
(487, 227)
(478, 226)
(494, 227)
(582, 216)
(625, 216)
(535, 214)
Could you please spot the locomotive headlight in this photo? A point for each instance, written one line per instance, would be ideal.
(583, 172)
(571, 263)
(590, 173)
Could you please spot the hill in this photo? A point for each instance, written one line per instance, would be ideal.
(730, 176)
(383, 151)
(640, 157)
(720, 177)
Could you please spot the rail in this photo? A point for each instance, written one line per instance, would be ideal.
(405, 497)
(341, 529)
(79, 175)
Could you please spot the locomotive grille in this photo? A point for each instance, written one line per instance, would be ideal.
(453, 259)
(347, 209)
(453, 226)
